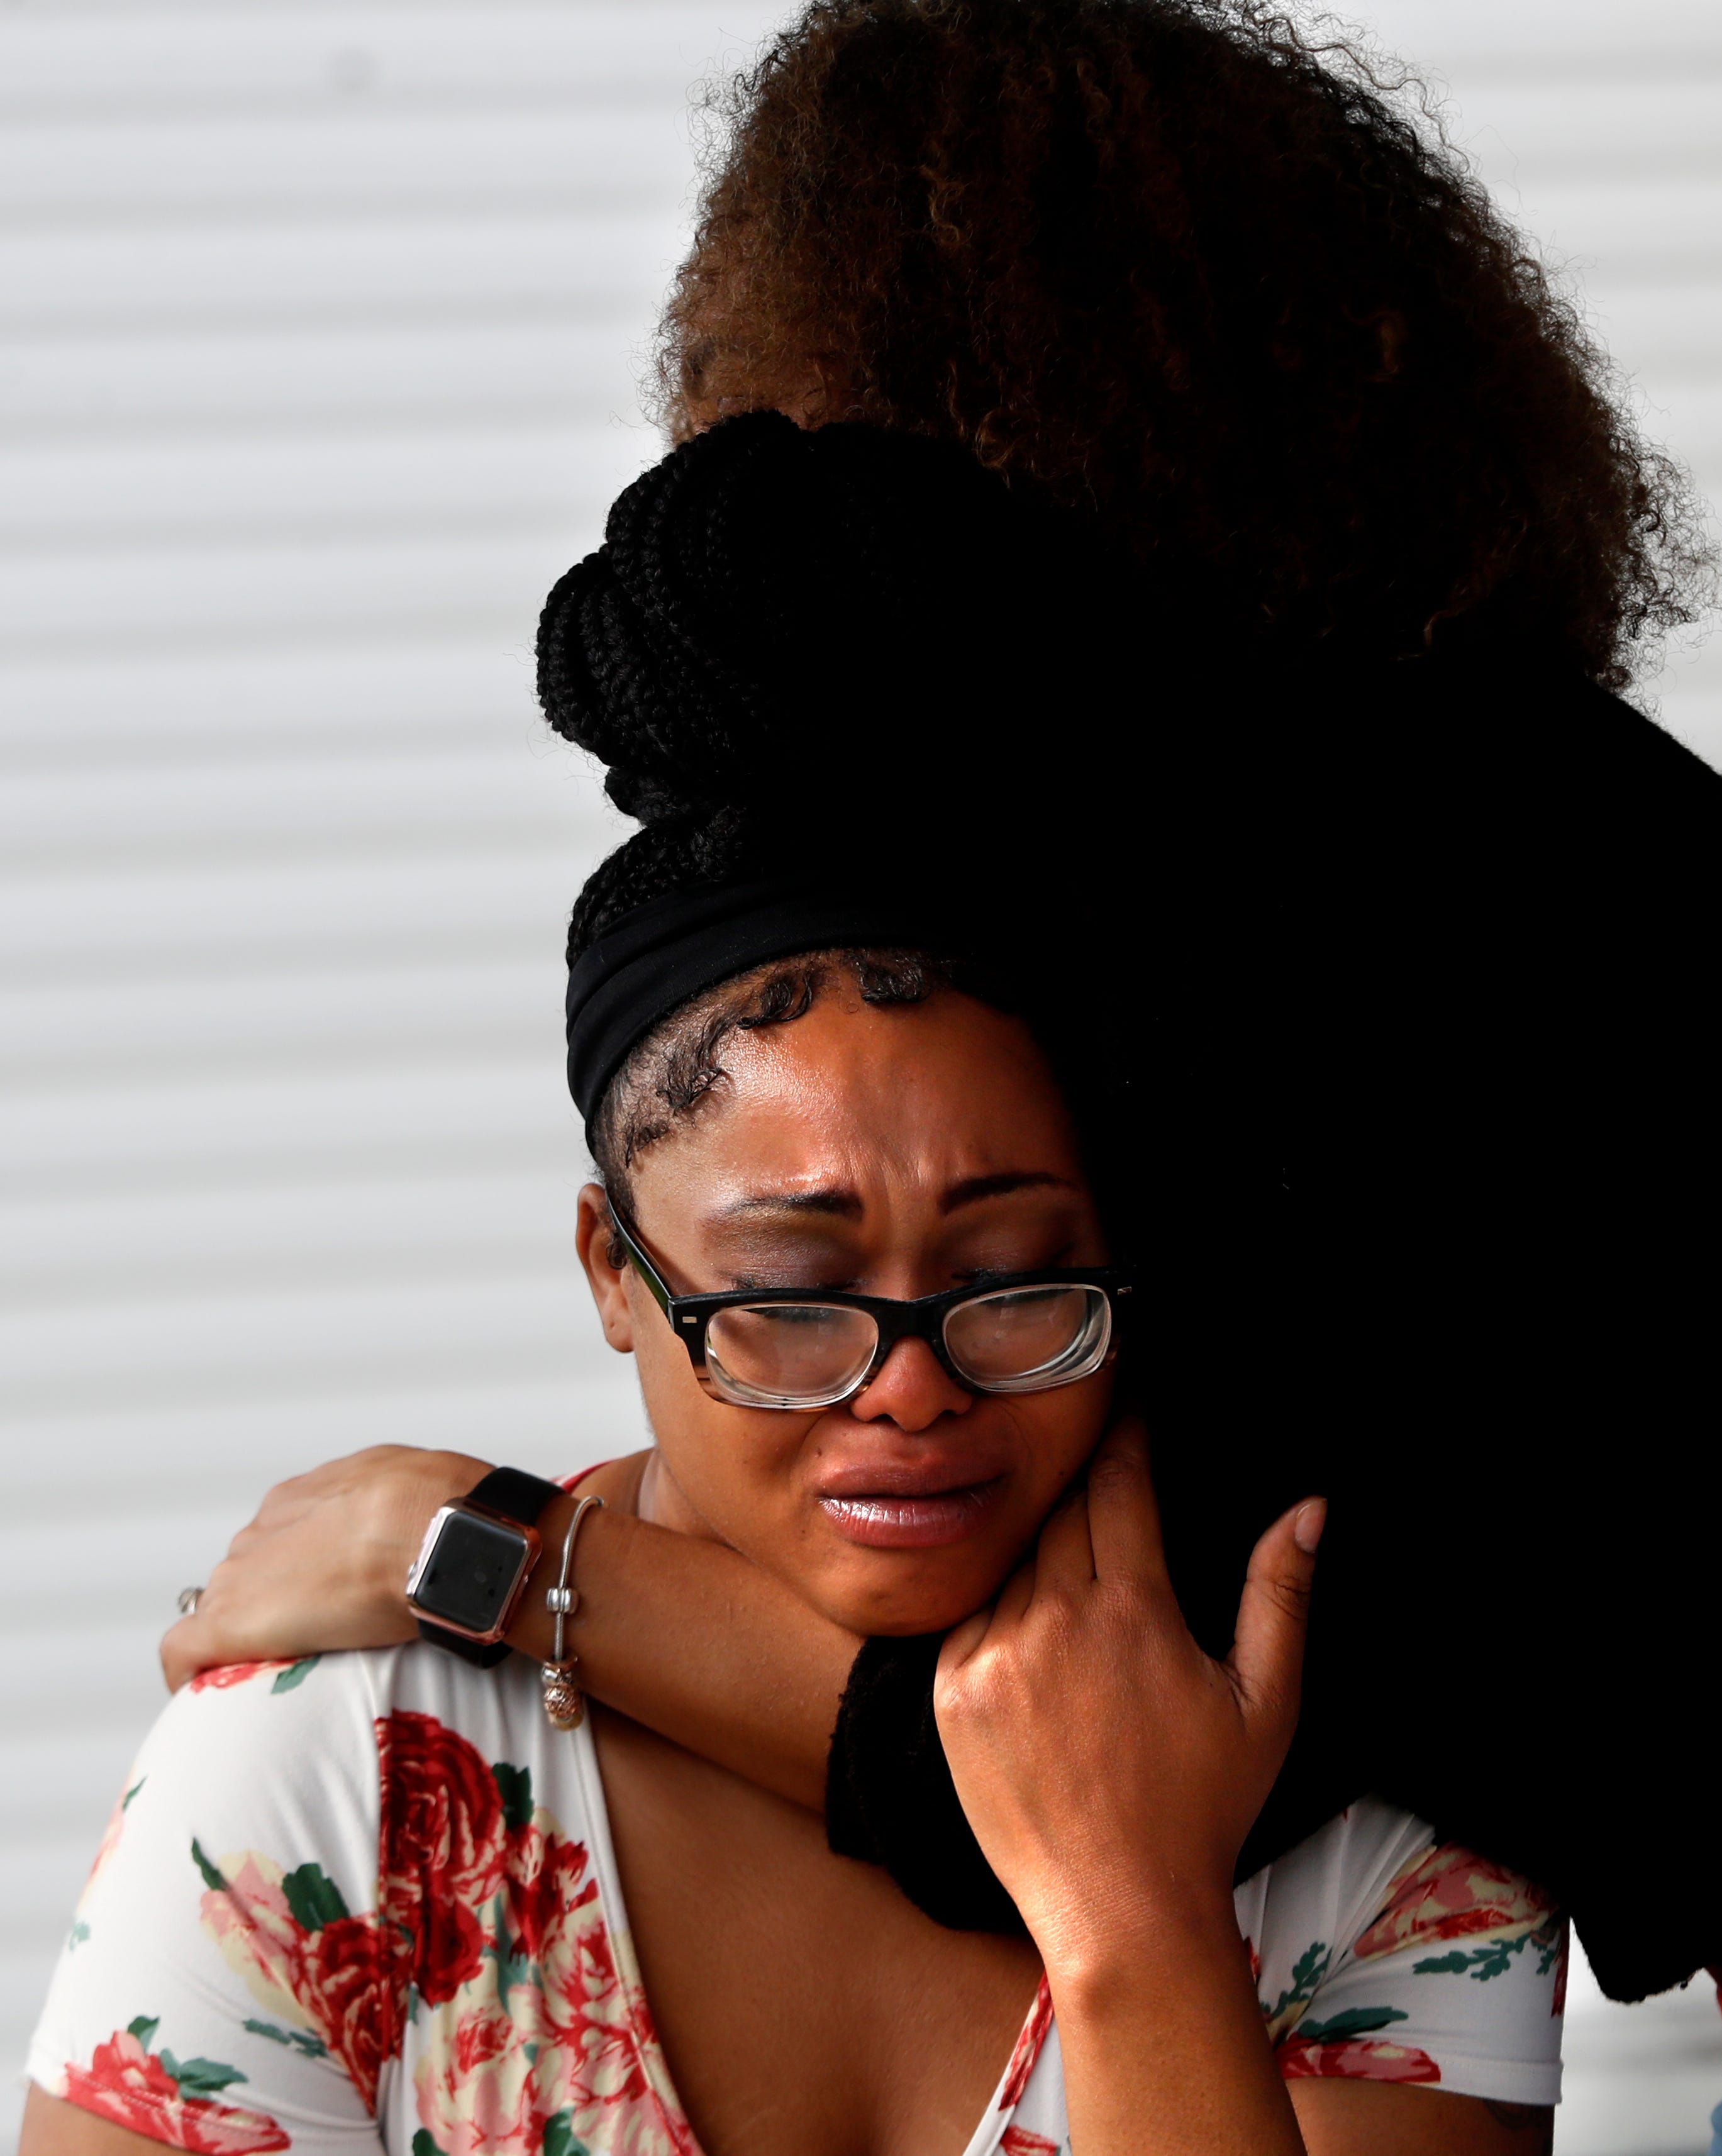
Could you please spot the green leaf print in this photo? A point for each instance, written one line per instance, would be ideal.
(126, 1801)
(1483, 1963)
(144, 2028)
(212, 1878)
(559, 2137)
(512, 1966)
(79, 1931)
(1355, 2021)
(313, 1897)
(1310, 1966)
(423, 2145)
(514, 1785)
(296, 1676)
(200, 2077)
(296, 2040)
(1307, 1971)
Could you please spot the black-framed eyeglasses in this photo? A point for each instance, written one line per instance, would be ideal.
(789, 1348)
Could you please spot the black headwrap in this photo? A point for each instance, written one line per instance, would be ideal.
(1418, 969)
(666, 952)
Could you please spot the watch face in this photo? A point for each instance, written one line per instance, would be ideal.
(470, 1573)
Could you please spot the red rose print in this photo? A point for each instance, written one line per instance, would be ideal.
(340, 1980)
(346, 1990)
(1018, 2141)
(479, 2086)
(1354, 2059)
(234, 1673)
(110, 1840)
(546, 1879)
(442, 1849)
(131, 2085)
(1028, 2048)
(1448, 1893)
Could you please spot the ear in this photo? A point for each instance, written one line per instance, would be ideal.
(609, 1283)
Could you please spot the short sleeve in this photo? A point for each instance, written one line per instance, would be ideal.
(1456, 1977)
(226, 1984)
(1464, 1966)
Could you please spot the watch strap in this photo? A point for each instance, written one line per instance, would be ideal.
(481, 1656)
(511, 1494)
(515, 1495)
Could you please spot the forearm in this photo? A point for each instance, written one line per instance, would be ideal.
(697, 1643)
(1163, 2048)
(681, 1634)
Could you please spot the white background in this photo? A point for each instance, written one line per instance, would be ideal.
(320, 327)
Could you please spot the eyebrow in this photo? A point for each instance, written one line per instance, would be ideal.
(979, 1186)
(838, 1203)
(843, 1204)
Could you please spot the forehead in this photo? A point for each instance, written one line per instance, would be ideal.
(935, 1092)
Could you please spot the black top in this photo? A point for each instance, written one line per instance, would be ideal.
(1430, 1013)
(658, 955)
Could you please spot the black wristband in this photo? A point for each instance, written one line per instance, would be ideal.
(481, 1656)
(514, 1494)
(511, 1494)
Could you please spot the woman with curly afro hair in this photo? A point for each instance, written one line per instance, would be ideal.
(1151, 915)
(1185, 265)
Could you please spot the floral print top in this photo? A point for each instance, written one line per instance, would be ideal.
(369, 1900)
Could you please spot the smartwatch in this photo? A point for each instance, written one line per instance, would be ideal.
(473, 1561)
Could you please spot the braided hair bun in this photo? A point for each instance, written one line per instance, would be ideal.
(785, 628)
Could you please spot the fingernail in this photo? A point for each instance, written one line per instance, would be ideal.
(1306, 1528)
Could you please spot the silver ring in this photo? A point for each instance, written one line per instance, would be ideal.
(188, 1599)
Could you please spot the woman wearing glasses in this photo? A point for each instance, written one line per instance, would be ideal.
(864, 1247)
(921, 1036)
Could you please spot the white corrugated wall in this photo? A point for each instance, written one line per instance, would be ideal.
(320, 327)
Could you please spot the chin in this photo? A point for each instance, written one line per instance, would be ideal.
(890, 1596)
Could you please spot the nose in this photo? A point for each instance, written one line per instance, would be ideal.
(911, 1388)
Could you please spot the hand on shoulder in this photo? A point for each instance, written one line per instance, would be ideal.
(324, 1563)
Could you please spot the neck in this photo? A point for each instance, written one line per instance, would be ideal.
(658, 1497)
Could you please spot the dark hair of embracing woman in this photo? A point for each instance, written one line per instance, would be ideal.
(1382, 999)
(1212, 274)
(1223, 608)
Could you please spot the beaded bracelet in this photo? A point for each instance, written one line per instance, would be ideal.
(564, 1702)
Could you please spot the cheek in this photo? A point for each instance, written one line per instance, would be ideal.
(1055, 1433)
(734, 1465)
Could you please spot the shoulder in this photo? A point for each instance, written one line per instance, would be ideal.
(260, 1755)
(360, 1764)
(1303, 1911)
(303, 1851)
(1385, 1953)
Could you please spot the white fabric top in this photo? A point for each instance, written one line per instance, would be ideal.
(370, 1899)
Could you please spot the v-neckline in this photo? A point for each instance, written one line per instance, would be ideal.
(1007, 2089)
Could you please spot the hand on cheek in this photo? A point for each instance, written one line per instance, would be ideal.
(1109, 1767)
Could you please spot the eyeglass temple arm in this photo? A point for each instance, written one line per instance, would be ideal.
(638, 1259)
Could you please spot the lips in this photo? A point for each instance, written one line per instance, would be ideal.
(922, 1506)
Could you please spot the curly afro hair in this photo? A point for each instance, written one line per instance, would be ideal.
(1186, 263)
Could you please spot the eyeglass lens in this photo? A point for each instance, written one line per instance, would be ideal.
(784, 1354)
(1022, 1339)
(810, 1354)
